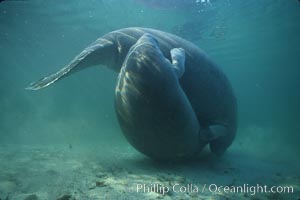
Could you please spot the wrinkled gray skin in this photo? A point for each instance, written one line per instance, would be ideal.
(171, 99)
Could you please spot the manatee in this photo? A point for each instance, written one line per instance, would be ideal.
(171, 99)
(151, 106)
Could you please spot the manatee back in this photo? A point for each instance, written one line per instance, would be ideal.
(154, 112)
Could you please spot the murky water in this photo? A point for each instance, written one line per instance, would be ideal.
(65, 141)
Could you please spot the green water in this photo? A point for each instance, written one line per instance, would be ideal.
(256, 43)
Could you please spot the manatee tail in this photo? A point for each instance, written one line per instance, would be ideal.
(94, 54)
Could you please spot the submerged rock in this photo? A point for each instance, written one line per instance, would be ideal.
(101, 184)
(32, 197)
(65, 197)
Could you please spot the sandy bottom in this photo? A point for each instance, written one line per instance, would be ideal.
(71, 172)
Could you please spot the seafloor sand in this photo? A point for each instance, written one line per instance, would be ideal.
(72, 172)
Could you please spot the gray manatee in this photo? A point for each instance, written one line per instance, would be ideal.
(171, 99)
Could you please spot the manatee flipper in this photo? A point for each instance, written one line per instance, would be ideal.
(212, 132)
(219, 145)
(214, 135)
(178, 61)
(218, 136)
(94, 54)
